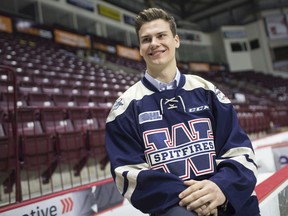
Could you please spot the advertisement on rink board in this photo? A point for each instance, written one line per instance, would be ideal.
(280, 157)
(271, 158)
(271, 152)
(87, 202)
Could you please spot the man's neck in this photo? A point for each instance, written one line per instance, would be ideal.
(165, 75)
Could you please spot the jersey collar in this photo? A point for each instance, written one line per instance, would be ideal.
(161, 86)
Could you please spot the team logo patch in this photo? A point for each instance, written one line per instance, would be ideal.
(149, 116)
(119, 102)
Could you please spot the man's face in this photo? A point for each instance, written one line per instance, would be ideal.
(157, 44)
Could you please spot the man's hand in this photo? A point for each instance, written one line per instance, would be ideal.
(200, 211)
(203, 197)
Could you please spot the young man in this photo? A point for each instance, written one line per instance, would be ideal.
(174, 141)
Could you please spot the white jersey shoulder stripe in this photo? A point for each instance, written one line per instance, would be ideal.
(135, 92)
(193, 82)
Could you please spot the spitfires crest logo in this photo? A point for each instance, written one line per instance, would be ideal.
(187, 152)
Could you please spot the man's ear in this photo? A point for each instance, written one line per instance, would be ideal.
(177, 41)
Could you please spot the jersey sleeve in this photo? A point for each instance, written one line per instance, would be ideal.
(148, 190)
(236, 169)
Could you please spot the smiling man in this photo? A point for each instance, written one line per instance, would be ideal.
(174, 141)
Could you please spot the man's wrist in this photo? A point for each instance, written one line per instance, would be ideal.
(224, 205)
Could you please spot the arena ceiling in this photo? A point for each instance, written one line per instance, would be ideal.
(205, 15)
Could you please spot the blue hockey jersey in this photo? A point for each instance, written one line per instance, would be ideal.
(155, 140)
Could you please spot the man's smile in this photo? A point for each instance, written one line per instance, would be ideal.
(156, 52)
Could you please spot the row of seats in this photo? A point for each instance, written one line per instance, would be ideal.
(258, 88)
(264, 80)
(255, 119)
(47, 81)
(44, 55)
(49, 76)
(47, 137)
(73, 98)
(49, 53)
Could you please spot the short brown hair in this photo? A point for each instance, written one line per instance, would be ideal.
(151, 14)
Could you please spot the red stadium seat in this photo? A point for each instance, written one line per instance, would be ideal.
(7, 100)
(28, 122)
(91, 121)
(70, 144)
(54, 121)
(39, 100)
(81, 100)
(96, 137)
(62, 100)
(37, 148)
(72, 150)
(38, 153)
(51, 89)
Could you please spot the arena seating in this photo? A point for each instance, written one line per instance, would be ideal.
(91, 122)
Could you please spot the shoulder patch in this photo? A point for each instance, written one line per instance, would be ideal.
(119, 102)
(221, 96)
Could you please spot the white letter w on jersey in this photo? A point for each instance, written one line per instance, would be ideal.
(186, 149)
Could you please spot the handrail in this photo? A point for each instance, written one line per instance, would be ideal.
(11, 72)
